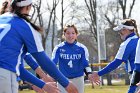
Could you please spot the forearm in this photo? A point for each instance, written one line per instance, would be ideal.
(40, 72)
(48, 66)
(27, 76)
(110, 67)
(31, 62)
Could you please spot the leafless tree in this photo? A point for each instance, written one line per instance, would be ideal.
(91, 7)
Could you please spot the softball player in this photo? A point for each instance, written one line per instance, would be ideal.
(19, 36)
(4, 7)
(72, 58)
(136, 73)
(126, 53)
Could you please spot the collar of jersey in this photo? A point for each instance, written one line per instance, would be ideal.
(10, 14)
(131, 35)
(70, 43)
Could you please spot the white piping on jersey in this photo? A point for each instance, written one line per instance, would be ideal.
(137, 56)
(19, 61)
(78, 44)
(55, 49)
(85, 49)
(123, 47)
(37, 38)
(129, 66)
(9, 14)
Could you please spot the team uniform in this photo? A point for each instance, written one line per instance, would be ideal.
(17, 37)
(31, 61)
(72, 60)
(126, 54)
(136, 74)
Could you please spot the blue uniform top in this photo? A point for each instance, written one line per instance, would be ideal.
(71, 58)
(31, 61)
(126, 53)
(13, 40)
(17, 37)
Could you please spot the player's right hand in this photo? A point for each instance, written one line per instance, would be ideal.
(71, 88)
(51, 87)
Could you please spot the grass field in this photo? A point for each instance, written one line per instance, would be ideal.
(118, 87)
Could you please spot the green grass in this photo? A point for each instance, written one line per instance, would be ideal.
(97, 89)
(118, 87)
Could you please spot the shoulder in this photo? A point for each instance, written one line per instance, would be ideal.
(59, 46)
(80, 45)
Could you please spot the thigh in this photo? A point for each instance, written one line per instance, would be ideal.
(79, 83)
(14, 83)
(6, 80)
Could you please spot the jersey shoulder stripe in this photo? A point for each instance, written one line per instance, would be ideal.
(123, 46)
(85, 50)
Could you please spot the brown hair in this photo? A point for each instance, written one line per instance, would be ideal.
(73, 26)
(17, 10)
(4, 6)
(131, 22)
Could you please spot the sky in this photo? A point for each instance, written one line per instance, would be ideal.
(135, 13)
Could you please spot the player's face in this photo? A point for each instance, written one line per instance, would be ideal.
(70, 35)
(124, 33)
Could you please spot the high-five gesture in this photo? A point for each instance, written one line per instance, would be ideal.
(96, 78)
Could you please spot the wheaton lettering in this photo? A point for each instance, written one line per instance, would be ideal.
(70, 56)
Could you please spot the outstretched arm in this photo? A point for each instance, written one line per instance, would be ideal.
(110, 67)
(28, 77)
(34, 65)
(48, 66)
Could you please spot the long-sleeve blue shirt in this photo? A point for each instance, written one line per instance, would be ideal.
(17, 37)
(71, 58)
(126, 53)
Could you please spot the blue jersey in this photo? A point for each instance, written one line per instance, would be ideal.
(126, 53)
(31, 61)
(15, 42)
(71, 58)
(17, 37)
(137, 57)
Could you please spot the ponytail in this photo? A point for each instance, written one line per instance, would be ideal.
(135, 25)
(25, 17)
(4, 6)
(17, 10)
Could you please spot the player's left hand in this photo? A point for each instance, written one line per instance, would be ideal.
(47, 78)
(94, 77)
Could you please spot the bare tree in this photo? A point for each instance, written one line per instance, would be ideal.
(91, 7)
(124, 5)
(54, 24)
